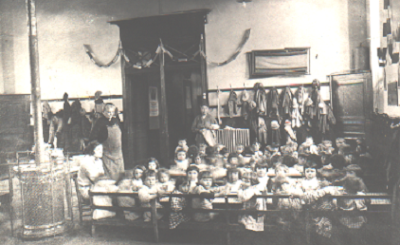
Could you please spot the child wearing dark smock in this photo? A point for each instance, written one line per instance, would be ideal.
(178, 203)
(354, 218)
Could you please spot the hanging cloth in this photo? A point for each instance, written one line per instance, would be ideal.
(296, 115)
(274, 102)
(232, 104)
(326, 118)
(260, 97)
(245, 104)
(301, 99)
(253, 117)
(287, 102)
(316, 98)
(276, 134)
(262, 131)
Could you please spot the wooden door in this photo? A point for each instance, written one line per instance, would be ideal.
(351, 103)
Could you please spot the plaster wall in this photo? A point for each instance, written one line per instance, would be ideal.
(332, 28)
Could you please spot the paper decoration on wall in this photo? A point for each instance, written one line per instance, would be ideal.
(386, 4)
(238, 50)
(154, 110)
(393, 94)
(92, 56)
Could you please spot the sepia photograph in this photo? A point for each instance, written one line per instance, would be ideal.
(204, 122)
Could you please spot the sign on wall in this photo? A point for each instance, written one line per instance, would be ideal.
(154, 111)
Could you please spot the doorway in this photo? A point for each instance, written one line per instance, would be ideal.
(146, 92)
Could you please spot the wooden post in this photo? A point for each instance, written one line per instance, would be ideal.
(164, 135)
(154, 219)
(35, 82)
(203, 66)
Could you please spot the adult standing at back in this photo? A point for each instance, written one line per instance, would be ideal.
(107, 131)
(203, 125)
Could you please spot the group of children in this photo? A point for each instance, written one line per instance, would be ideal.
(306, 175)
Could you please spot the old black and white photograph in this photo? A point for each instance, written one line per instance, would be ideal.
(204, 122)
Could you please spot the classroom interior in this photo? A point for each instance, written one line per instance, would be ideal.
(273, 81)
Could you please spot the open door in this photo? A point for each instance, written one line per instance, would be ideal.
(161, 83)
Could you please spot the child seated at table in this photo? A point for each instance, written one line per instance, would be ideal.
(253, 222)
(353, 219)
(256, 149)
(149, 192)
(192, 152)
(233, 160)
(312, 194)
(284, 186)
(233, 180)
(182, 144)
(276, 159)
(333, 170)
(207, 192)
(199, 162)
(178, 203)
(165, 183)
(281, 170)
(302, 159)
(202, 150)
(181, 162)
(152, 164)
(137, 181)
(261, 170)
(222, 157)
(239, 150)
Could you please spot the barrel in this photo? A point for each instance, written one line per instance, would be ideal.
(43, 198)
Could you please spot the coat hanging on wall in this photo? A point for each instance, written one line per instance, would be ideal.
(262, 135)
(316, 99)
(326, 118)
(297, 119)
(274, 104)
(232, 104)
(260, 97)
(287, 100)
(301, 98)
(275, 134)
(245, 104)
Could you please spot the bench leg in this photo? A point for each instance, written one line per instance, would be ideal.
(228, 238)
(93, 230)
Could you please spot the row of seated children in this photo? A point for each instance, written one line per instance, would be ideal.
(248, 181)
(213, 158)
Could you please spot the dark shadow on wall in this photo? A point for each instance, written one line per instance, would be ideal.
(7, 48)
(357, 29)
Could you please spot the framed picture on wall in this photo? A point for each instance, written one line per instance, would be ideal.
(288, 61)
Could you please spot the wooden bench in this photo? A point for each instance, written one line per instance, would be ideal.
(225, 208)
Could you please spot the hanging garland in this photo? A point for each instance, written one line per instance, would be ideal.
(92, 56)
(144, 63)
(245, 38)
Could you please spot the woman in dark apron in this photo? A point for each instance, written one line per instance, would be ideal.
(107, 131)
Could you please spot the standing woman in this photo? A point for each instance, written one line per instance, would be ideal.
(203, 125)
(107, 131)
